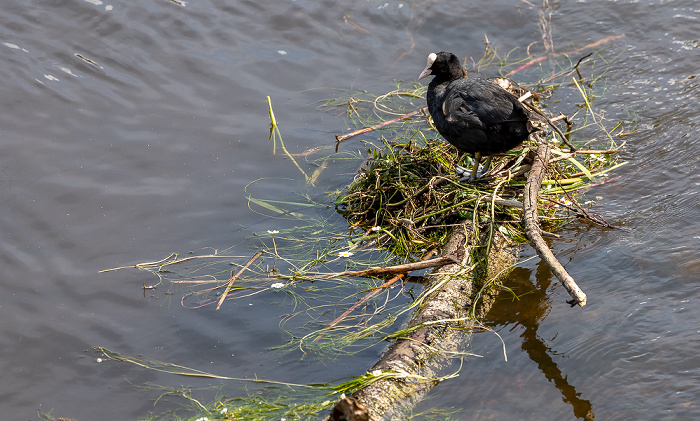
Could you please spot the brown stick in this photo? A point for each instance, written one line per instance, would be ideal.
(361, 302)
(532, 226)
(400, 270)
(596, 151)
(408, 267)
(581, 151)
(377, 126)
(233, 277)
(540, 59)
(551, 123)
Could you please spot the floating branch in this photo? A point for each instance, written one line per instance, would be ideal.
(399, 270)
(532, 225)
(392, 270)
(340, 138)
(543, 58)
(234, 276)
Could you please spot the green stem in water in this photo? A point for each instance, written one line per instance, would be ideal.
(274, 134)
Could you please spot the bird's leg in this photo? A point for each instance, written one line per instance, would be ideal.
(487, 166)
(477, 171)
(475, 167)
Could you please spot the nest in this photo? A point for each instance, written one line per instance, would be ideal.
(413, 192)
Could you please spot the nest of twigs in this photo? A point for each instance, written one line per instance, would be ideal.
(413, 193)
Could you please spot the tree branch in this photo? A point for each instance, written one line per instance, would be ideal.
(392, 270)
(532, 225)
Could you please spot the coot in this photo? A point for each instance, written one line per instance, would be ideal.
(475, 115)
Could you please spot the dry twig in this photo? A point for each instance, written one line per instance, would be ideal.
(407, 267)
(532, 226)
(543, 58)
(233, 277)
(340, 138)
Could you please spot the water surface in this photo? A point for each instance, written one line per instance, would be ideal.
(131, 131)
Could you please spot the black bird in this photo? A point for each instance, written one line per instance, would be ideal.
(474, 115)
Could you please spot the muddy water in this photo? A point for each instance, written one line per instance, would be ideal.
(131, 131)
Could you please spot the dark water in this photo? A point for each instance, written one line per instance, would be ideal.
(131, 131)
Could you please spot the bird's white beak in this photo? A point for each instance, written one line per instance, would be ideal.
(425, 73)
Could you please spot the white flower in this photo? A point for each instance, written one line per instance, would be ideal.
(202, 419)
(99, 360)
(223, 411)
(345, 254)
(376, 373)
(377, 228)
(277, 285)
(273, 232)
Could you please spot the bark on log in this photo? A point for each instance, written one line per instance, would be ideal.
(532, 224)
(426, 351)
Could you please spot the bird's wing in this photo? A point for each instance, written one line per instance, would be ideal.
(477, 103)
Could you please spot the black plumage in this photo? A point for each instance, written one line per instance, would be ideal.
(475, 115)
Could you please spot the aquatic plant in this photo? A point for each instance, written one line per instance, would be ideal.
(401, 206)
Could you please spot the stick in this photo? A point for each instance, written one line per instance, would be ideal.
(556, 129)
(567, 155)
(584, 214)
(233, 277)
(400, 269)
(377, 126)
(359, 303)
(392, 270)
(573, 68)
(540, 59)
(532, 226)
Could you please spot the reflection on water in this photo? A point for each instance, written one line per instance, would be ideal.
(536, 306)
(130, 131)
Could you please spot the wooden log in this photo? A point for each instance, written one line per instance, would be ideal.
(427, 351)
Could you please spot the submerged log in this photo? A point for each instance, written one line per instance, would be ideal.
(442, 326)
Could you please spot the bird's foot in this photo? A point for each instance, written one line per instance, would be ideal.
(461, 171)
(466, 174)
